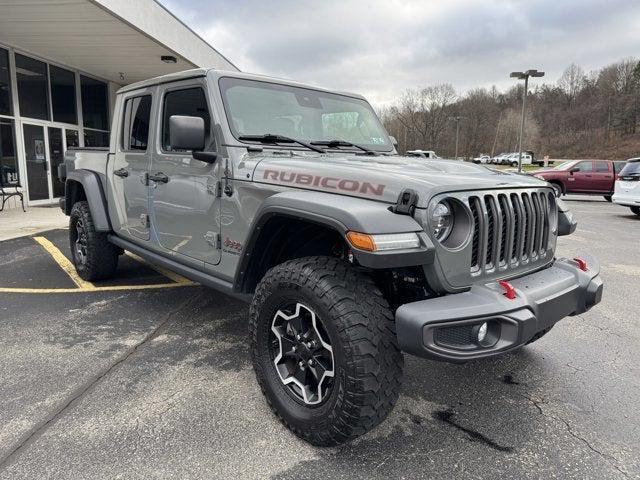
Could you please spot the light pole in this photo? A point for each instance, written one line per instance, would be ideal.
(457, 119)
(524, 76)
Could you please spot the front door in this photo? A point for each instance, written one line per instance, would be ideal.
(37, 165)
(581, 180)
(185, 206)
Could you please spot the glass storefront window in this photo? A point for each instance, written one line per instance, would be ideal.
(63, 95)
(5, 84)
(72, 138)
(95, 104)
(33, 96)
(8, 159)
(96, 138)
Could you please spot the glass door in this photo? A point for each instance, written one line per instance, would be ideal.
(36, 159)
(56, 157)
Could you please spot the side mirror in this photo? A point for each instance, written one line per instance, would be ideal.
(394, 141)
(574, 170)
(187, 133)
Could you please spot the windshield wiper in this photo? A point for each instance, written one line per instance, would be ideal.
(274, 139)
(343, 143)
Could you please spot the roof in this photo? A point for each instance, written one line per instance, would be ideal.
(201, 72)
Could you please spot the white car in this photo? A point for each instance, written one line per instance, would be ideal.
(512, 159)
(482, 159)
(422, 153)
(627, 188)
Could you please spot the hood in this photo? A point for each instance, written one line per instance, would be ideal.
(381, 178)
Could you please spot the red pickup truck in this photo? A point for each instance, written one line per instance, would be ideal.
(596, 177)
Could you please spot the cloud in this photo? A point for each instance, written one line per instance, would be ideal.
(381, 47)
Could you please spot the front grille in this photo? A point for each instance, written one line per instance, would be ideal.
(510, 229)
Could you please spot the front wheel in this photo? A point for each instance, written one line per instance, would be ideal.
(558, 189)
(514, 164)
(324, 349)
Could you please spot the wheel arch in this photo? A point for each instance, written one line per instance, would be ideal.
(86, 185)
(296, 224)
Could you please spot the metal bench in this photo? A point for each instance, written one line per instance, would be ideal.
(6, 194)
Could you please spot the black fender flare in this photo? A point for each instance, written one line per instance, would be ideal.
(94, 191)
(341, 214)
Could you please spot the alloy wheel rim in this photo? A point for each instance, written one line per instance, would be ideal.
(302, 354)
(81, 243)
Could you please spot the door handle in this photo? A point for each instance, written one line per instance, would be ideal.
(123, 173)
(159, 178)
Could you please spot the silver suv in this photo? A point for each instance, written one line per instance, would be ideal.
(294, 199)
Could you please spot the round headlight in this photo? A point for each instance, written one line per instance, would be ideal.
(441, 220)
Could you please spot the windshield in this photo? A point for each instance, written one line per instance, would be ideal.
(631, 168)
(258, 108)
(564, 165)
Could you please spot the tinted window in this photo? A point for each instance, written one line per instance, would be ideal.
(191, 102)
(96, 138)
(8, 159)
(602, 167)
(137, 114)
(72, 138)
(32, 87)
(631, 168)
(63, 94)
(584, 166)
(95, 105)
(5, 84)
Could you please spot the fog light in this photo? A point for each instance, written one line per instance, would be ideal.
(482, 332)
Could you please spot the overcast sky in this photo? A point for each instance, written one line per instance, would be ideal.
(381, 47)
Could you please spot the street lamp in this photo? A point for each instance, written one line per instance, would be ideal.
(524, 76)
(457, 119)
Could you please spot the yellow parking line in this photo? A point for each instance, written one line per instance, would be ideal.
(64, 263)
(162, 271)
(113, 288)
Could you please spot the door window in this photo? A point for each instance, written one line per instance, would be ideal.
(190, 102)
(36, 156)
(56, 157)
(95, 112)
(584, 167)
(137, 115)
(5, 84)
(602, 167)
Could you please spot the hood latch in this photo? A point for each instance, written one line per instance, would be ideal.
(407, 201)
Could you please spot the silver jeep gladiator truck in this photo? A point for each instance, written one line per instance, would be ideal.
(294, 198)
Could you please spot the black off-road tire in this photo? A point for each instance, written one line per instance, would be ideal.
(101, 258)
(361, 330)
(539, 335)
(635, 210)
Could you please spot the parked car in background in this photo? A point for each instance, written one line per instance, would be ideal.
(482, 158)
(512, 159)
(594, 177)
(422, 154)
(498, 158)
(627, 187)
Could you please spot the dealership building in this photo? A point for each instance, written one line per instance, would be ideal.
(61, 62)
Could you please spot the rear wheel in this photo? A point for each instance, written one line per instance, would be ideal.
(324, 349)
(635, 210)
(608, 198)
(94, 257)
(514, 164)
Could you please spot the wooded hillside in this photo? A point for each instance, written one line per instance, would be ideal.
(581, 115)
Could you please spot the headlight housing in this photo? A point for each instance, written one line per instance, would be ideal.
(441, 220)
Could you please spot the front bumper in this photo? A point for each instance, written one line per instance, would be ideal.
(445, 328)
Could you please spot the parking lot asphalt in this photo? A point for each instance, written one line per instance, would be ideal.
(156, 382)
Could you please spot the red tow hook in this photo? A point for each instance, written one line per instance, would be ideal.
(509, 291)
(582, 264)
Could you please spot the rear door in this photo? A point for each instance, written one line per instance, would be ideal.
(186, 207)
(603, 176)
(581, 180)
(129, 171)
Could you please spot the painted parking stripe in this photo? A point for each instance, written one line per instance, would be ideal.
(111, 288)
(64, 263)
